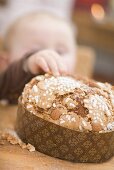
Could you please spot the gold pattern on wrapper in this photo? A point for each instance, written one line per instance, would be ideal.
(61, 142)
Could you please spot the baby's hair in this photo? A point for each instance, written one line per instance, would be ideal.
(30, 17)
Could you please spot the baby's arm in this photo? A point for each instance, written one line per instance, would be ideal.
(13, 80)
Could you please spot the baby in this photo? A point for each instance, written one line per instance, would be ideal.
(35, 44)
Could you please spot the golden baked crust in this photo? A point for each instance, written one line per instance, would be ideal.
(75, 103)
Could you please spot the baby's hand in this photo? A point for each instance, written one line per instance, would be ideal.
(47, 61)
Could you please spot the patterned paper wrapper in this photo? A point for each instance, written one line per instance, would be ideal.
(63, 143)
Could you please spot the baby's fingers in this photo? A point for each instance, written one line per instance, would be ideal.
(42, 64)
(62, 67)
(53, 67)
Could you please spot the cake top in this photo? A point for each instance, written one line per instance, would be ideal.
(75, 103)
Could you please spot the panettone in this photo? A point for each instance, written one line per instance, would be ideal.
(69, 118)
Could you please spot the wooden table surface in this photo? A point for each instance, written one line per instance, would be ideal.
(12, 157)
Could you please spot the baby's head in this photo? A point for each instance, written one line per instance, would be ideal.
(40, 31)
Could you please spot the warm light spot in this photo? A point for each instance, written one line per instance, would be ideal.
(97, 11)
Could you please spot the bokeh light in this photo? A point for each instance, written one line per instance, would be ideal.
(97, 11)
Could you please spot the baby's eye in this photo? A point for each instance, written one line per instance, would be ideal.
(36, 49)
(61, 51)
(39, 48)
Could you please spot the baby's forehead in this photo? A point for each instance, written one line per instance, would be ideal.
(45, 22)
(39, 24)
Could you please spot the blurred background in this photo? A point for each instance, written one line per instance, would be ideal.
(94, 23)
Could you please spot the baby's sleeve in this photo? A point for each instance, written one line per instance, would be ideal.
(13, 80)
